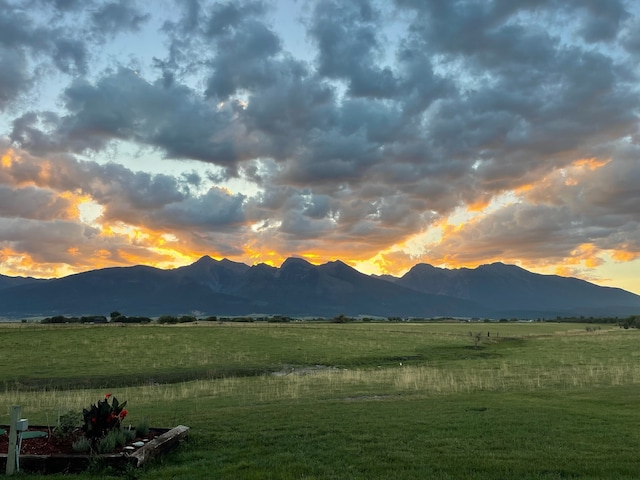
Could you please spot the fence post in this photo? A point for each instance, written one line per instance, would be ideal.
(13, 439)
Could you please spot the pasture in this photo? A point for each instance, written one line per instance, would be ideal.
(348, 401)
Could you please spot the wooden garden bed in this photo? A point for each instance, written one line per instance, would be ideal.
(48, 455)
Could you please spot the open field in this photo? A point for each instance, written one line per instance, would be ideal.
(354, 400)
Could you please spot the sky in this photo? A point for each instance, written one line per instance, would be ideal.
(381, 133)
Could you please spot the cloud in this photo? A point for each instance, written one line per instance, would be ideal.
(41, 39)
(398, 117)
(215, 210)
(15, 78)
(120, 16)
(126, 107)
(574, 215)
(32, 203)
(349, 47)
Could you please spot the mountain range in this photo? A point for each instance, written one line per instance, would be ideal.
(299, 288)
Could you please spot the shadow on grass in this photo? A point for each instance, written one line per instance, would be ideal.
(127, 380)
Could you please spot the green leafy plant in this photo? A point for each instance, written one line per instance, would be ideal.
(103, 417)
(67, 424)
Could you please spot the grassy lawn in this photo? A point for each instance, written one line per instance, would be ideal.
(355, 400)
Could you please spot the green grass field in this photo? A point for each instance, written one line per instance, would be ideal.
(354, 400)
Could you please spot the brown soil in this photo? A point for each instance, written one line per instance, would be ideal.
(49, 445)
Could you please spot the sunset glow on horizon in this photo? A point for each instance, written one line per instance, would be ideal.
(370, 132)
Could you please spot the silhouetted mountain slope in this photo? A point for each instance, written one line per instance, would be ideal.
(6, 282)
(298, 288)
(513, 290)
(212, 287)
(135, 290)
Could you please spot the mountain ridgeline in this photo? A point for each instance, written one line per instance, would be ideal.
(298, 288)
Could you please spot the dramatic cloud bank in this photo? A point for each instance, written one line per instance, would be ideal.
(384, 133)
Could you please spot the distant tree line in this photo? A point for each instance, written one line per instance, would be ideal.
(631, 322)
(116, 317)
(86, 319)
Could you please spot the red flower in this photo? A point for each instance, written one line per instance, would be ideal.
(123, 413)
(93, 419)
(107, 395)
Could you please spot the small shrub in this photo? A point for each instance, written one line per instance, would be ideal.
(81, 445)
(340, 319)
(142, 428)
(67, 423)
(108, 443)
(129, 434)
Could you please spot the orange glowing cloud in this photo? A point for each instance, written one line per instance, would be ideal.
(7, 159)
(591, 163)
(586, 254)
(23, 265)
(74, 201)
(524, 188)
(394, 263)
(479, 205)
(624, 256)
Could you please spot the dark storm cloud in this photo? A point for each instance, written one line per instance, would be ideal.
(41, 41)
(14, 76)
(125, 106)
(603, 19)
(245, 49)
(121, 16)
(70, 55)
(214, 210)
(68, 5)
(243, 61)
(349, 47)
(58, 36)
(33, 203)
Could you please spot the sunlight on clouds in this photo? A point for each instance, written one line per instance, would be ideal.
(264, 225)
(620, 274)
(417, 247)
(577, 169)
(6, 160)
(102, 253)
(591, 163)
(624, 256)
(23, 265)
(89, 211)
(258, 251)
(390, 262)
(416, 244)
(468, 213)
(586, 254)
(169, 237)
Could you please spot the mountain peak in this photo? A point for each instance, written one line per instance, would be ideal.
(204, 260)
(295, 261)
(498, 267)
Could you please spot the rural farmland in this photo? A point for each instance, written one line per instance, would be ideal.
(353, 400)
